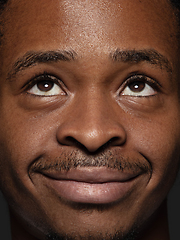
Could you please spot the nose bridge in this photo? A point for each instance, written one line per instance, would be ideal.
(93, 122)
(94, 110)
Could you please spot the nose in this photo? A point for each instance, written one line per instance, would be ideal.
(91, 126)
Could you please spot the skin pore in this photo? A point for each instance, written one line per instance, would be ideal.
(89, 102)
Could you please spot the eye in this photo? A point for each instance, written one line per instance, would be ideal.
(140, 86)
(45, 85)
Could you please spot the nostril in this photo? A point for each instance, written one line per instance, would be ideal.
(71, 141)
(91, 138)
(115, 141)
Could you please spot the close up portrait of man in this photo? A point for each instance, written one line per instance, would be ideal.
(90, 117)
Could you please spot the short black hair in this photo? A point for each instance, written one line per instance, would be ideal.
(176, 6)
(2, 4)
(3, 1)
(176, 3)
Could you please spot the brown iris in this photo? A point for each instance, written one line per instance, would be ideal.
(136, 86)
(45, 86)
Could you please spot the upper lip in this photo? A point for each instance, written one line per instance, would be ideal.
(91, 175)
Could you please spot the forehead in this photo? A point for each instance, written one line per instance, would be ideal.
(88, 27)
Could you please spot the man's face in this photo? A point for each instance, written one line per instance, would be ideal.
(89, 103)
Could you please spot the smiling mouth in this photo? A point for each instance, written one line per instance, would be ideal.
(93, 185)
(104, 178)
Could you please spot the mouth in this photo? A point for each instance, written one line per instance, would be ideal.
(92, 185)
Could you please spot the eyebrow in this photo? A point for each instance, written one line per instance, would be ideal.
(32, 58)
(146, 55)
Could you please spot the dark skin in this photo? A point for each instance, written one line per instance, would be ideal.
(89, 89)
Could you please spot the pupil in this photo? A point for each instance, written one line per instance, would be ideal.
(45, 86)
(137, 86)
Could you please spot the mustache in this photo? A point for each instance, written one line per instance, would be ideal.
(109, 159)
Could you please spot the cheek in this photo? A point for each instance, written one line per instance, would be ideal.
(159, 141)
(22, 140)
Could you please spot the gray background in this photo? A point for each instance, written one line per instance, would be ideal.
(173, 207)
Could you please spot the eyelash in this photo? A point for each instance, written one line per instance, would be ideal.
(41, 77)
(131, 79)
(141, 78)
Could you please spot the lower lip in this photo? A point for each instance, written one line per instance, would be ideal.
(94, 193)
